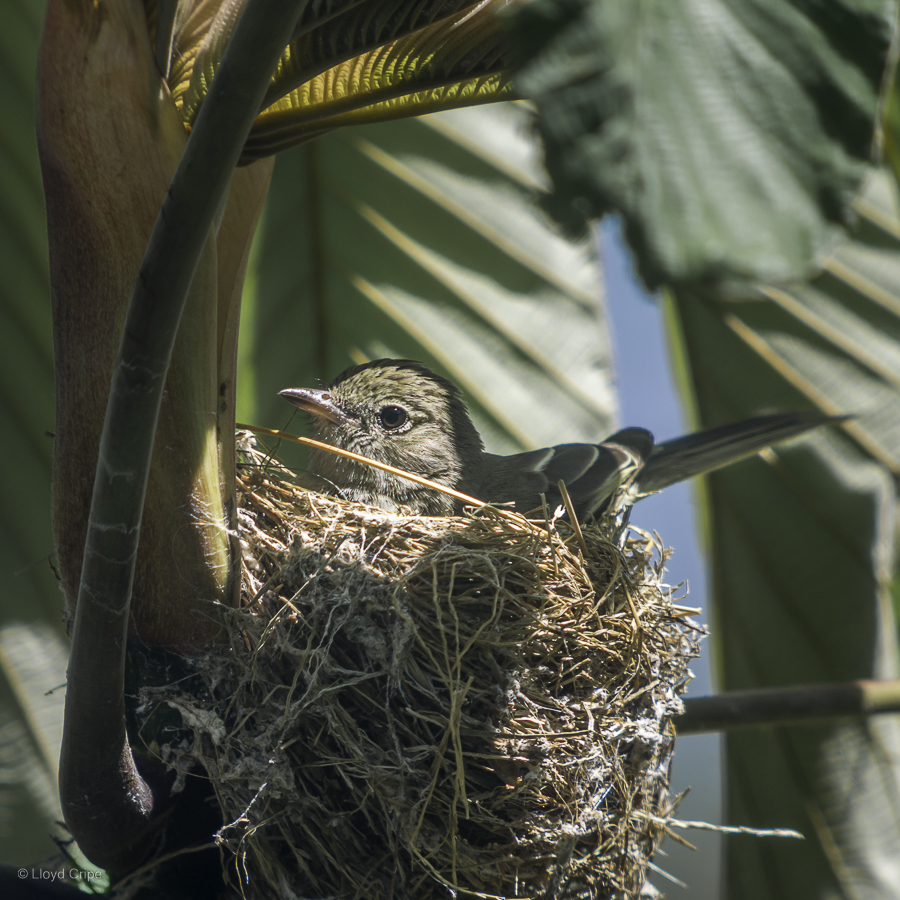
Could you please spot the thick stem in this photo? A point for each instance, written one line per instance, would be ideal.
(109, 807)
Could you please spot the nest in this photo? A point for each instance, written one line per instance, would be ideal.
(435, 707)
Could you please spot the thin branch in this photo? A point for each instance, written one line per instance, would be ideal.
(788, 706)
(111, 810)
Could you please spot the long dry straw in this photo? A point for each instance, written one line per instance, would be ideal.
(349, 454)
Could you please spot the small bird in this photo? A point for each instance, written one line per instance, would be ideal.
(399, 412)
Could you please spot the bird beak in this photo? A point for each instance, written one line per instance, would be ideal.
(319, 403)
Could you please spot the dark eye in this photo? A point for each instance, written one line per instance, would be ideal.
(392, 417)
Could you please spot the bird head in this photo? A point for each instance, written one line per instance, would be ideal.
(396, 411)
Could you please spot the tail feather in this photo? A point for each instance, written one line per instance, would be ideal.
(704, 451)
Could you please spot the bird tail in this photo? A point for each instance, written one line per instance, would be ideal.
(705, 451)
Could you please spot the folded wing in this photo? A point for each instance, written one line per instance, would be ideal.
(592, 472)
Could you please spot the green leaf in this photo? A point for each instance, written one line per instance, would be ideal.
(355, 63)
(30, 599)
(422, 239)
(33, 661)
(439, 28)
(351, 97)
(326, 35)
(730, 135)
(802, 543)
(26, 348)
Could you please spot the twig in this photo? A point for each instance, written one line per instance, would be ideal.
(788, 705)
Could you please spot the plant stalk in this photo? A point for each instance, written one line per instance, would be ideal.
(111, 810)
(784, 706)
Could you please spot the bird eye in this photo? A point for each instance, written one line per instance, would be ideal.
(392, 417)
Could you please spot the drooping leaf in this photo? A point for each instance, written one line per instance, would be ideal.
(367, 26)
(365, 90)
(803, 546)
(422, 239)
(350, 63)
(328, 34)
(731, 136)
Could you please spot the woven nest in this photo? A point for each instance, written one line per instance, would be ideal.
(430, 707)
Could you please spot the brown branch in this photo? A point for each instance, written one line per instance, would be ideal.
(788, 706)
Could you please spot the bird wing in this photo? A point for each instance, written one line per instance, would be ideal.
(591, 472)
(620, 459)
(704, 451)
(569, 461)
(594, 472)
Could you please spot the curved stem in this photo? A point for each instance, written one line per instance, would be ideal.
(110, 809)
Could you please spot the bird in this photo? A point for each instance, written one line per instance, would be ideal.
(399, 412)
